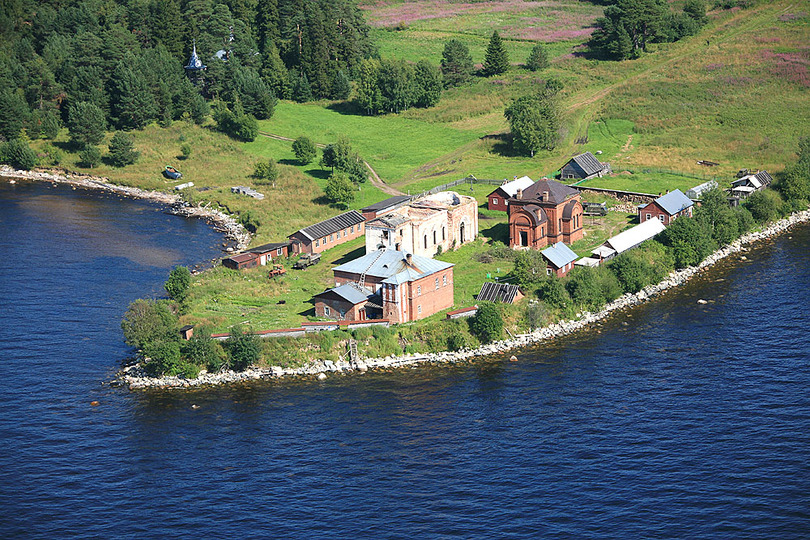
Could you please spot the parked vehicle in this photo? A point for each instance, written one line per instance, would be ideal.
(307, 259)
(594, 209)
(171, 173)
(277, 271)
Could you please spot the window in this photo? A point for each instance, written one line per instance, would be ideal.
(559, 225)
(359, 227)
(548, 271)
(444, 280)
(419, 290)
(419, 308)
(661, 217)
(326, 311)
(494, 201)
(317, 243)
(425, 241)
(434, 238)
(649, 216)
(278, 252)
(437, 283)
(444, 237)
(332, 237)
(352, 228)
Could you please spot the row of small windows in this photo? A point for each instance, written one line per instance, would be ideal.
(444, 284)
(331, 237)
(435, 241)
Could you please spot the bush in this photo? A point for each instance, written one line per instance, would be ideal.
(202, 350)
(487, 324)
(266, 172)
(148, 321)
(90, 156)
(765, 205)
(18, 154)
(552, 291)
(535, 315)
(122, 150)
(243, 349)
(690, 241)
(178, 283)
(185, 151)
(164, 357)
(538, 58)
(304, 150)
(249, 221)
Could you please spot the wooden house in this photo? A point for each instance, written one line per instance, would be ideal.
(328, 233)
(241, 261)
(560, 259)
(746, 185)
(543, 214)
(499, 199)
(667, 208)
(584, 166)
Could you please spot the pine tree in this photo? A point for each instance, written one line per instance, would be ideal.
(538, 58)
(457, 64)
(497, 59)
(86, 123)
(122, 150)
(132, 103)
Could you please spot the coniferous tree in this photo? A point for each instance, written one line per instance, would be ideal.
(496, 60)
(132, 104)
(165, 25)
(86, 124)
(341, 86)
(457, 64)
(538, 58)
(122, 150)
(14, 112)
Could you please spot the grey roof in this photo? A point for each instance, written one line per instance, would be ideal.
(559, 254)
(351, 292)
(758, 180)
(588, 163)
(764, 177)
(497, 292)
(388, 220)
(674, 201)
(387, 203)
(264, 248)
(332, 225)
(391, 265)
(557, 192)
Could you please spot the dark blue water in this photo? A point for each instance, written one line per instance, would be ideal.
(690, 421)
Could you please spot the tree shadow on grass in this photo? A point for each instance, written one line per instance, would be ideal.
(497, 233)
(323, 201)
(293, 162)
(321, 174)
(346, 107)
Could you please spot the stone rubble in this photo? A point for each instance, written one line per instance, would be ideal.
(135, 378)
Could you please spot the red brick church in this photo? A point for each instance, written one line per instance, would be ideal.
(543, 214)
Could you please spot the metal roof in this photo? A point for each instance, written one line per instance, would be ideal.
(242, 257)
(588, 163)
(386, 264)
(697, 191)
(387, 203)
(557, 192)
(497, 292)
(264, 248)
(511, 188)
(674, 201)
(559, 254)
(333, 225)
(634, 236)
(350, 292)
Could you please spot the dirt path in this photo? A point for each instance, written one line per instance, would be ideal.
(376, 181)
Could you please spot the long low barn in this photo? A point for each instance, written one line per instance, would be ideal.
(328, 233)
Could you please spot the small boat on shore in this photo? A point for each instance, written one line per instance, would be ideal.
(171, 173)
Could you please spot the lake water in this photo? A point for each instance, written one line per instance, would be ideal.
(673, 419)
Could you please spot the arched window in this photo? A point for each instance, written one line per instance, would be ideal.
(434, 238)
(444, 237)
(461, 232)
(425, 241)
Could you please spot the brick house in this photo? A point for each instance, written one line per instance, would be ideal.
(667, 208)
(268, 252)
(345, 302)
(241, 261)
(328, 233)
(584, 166)
(498, 199)
(543, 214)
(560, 259)
(409, 287)
(443, 220)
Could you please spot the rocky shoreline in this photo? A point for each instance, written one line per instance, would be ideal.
(220, 221)
(135, 377)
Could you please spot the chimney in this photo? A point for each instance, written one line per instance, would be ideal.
(519, 194)
(545, 196)
(409, 259)
(396, 246)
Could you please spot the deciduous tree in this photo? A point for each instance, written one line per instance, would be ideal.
(304, 150)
